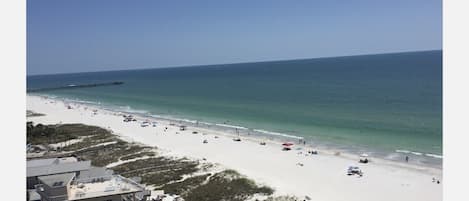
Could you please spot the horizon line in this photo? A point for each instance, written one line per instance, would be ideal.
(247, 62)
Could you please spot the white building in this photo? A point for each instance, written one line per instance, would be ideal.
(68, 179)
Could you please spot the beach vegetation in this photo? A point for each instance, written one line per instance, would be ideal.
(158, 171)
(181, 176)
(46, 134)
(109, 153)
(30, 113)
(227, 185)
(138, 155)
(184, 187)
(282, 198)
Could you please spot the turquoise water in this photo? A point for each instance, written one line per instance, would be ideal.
(384, 102)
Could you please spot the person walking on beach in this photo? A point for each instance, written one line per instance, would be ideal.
(406, 159)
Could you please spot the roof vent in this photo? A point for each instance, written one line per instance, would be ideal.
(59, 183)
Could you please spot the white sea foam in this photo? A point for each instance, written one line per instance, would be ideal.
(392, 156)
(206, 123)
(128, 109)
(434, 155)
(170, 118)
(66, 100)
(232, 126)
(178, 119)
(277, 134)
(83, 101)
(403, 151)
(419, 154)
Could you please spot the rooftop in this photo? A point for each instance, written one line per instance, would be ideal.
(57, 180)
(50, 161)
(55, 166)
(95, 172)
(33, 195)
(112, 185)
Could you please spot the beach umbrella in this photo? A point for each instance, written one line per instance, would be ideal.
(287, 144)
(364, 155)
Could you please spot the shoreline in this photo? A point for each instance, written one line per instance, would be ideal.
(220, 149)
(419, 159)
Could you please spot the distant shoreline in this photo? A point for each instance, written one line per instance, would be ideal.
(234, 63)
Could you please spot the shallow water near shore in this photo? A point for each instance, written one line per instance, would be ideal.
(386, 104)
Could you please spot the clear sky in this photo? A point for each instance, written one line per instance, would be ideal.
(99, 35)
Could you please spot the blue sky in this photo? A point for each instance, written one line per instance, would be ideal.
(100, 35)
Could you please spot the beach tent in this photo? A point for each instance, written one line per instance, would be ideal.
(351, 170)
(363, 158)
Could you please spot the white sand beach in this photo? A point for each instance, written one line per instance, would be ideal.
(320, 177)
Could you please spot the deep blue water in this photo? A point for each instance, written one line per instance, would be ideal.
(381, 102)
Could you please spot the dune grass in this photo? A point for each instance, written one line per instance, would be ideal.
(173, 175)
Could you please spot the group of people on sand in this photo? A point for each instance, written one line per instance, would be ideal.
(302, 141)
(313, 152)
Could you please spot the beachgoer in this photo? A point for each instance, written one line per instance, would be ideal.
(407, 159)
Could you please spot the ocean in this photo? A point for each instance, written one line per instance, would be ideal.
(388, 104)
